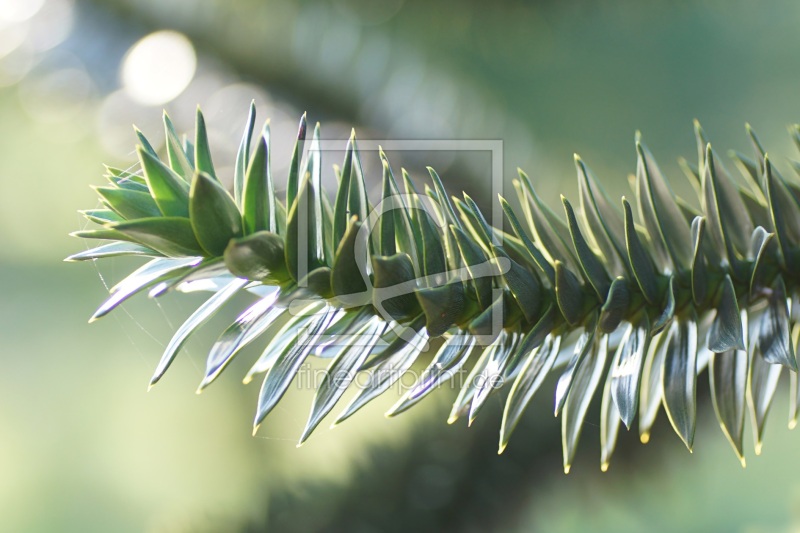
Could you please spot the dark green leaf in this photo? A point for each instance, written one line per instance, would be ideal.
(728, 376)
(668, 312)
(699, 270)
(726, 329)
(652, 387)
(626, 372)
(774, 329)
(202, 150)
(592, 267)
(531, 248)
(680, 379)
(584, 345)
(293, 182)
(569, 295)
(259, 256)
(615, 307)
(350, 266)
(214, 215)
(178, 160)
(128, 203)
(172, 236)
(241, 170)
(523, 285)
(393, 287)
(640, 260)
(552, 245)
(170, 192)
(258, 200)
(762, 382)
(586, 378)
(660, 214)
(603, 221)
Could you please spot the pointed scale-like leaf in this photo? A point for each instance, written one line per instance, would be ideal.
(258, 196)
(202, 150)
(609, 424)
(615, 307)
(679, 378)
(241, 168)
(448, 361)
(285, 338)
(113, 249)
(200, 316)
(762, 382)
(475, 261)
(178, 161)
(474, 381)
(729, 222)
(293, 181)
(523, 285)
(785, 216)
(762, 251)
(794, 389)
(145, 276)
(304, 233)
(535, 369)
(101, 216)
(552, 245)
(280, 375)
(569, 295)
(393, 286)
(129, 204)
(591, 265)
(145, 143)
(349, 267)
(341, 214)
(661, 216)
(170, 192)
(398, 358)
(257, 257)
(214, 215)
(583, 347)
(492, 378)
(699, 269)
(774, 329)
(247, 326)
(403, 228)
(536, 255)
(602, 220)
(341, 373)
(587, 377)
(172, 236)
(727, 374)
(641, 262)
(652, 387)
(726, 331)
(626, 370)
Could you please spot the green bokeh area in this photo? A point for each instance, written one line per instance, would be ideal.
(85, 447)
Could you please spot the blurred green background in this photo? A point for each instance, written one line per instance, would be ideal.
(84, 447)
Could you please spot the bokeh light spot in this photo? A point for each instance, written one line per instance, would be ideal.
(158, 68)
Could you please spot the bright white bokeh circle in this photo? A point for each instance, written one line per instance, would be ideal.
(158, 68)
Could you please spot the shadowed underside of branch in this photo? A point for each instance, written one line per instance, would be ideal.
(629, 300)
